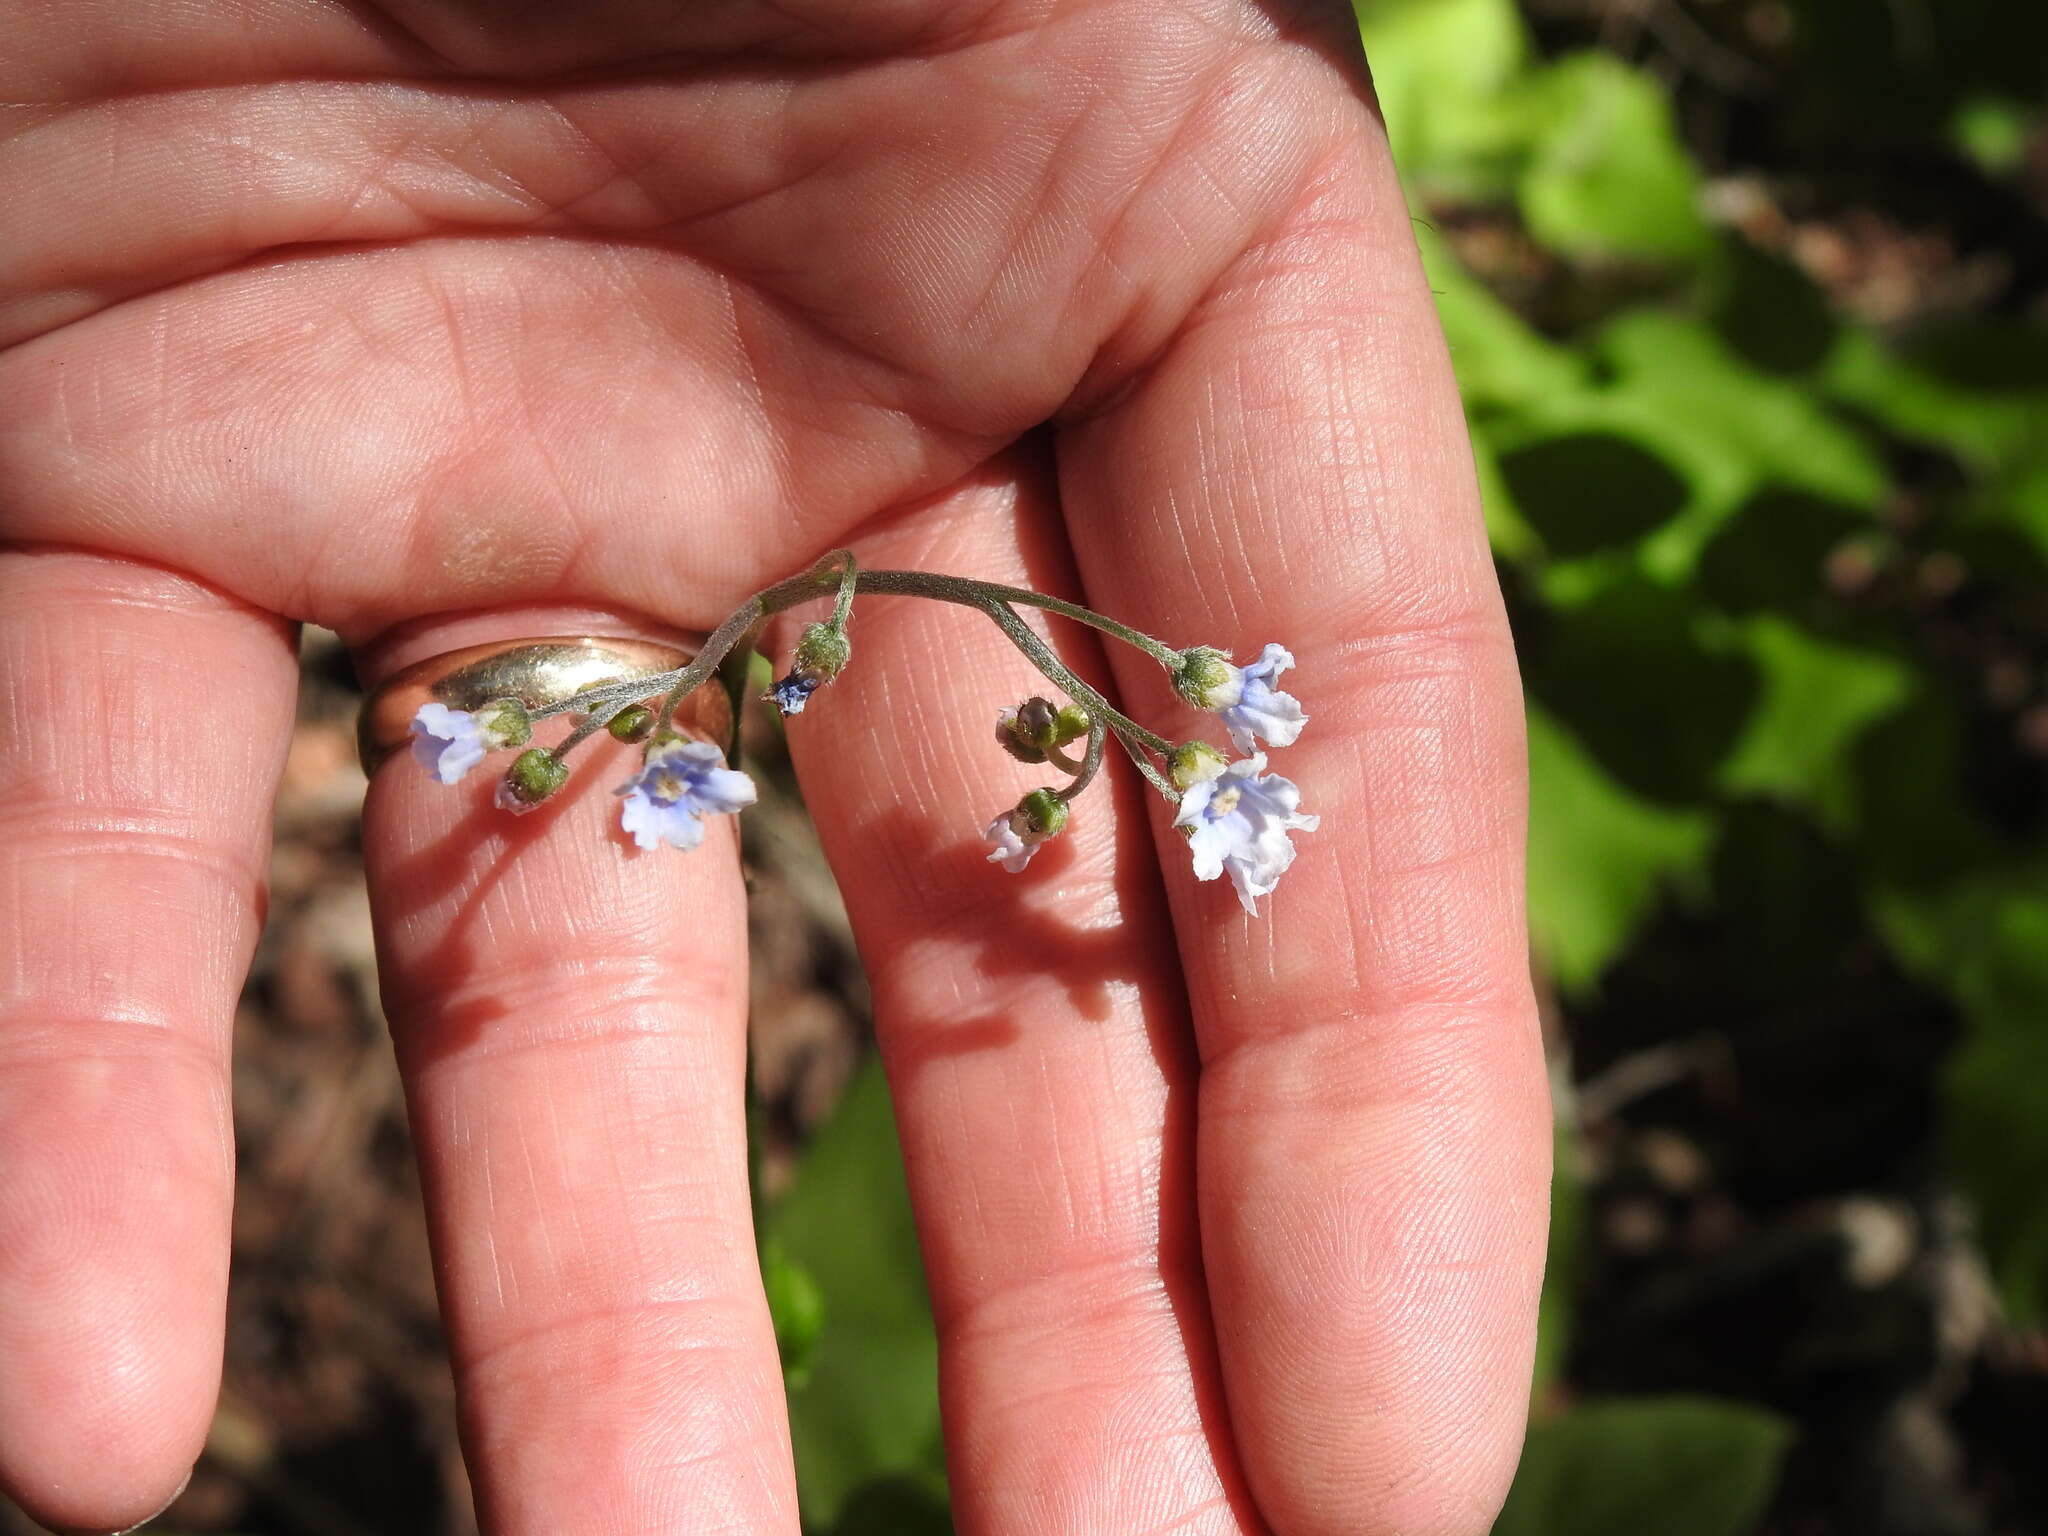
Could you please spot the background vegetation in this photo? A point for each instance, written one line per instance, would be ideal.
(1749, 301)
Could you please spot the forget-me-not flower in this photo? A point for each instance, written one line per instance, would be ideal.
(1023, 830)
(449, 742)
(681, 783)
(1012, 851)
(1254, 710)
(1237, 819)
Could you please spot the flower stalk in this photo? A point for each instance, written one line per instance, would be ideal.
(1237, 816)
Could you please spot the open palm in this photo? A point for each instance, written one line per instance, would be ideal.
(462, 319)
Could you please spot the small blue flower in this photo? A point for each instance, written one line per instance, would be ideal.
(794, 692)
(447, 742)
(1256, 710)
(1237, 819)
(681, 783)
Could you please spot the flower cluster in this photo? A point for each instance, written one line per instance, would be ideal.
(680, 782)
(1237, 817)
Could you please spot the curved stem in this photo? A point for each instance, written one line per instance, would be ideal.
(1059, 759)
(1026, 639)
(849, 583)
(839, 570)
(1091, 762)
(964, 590)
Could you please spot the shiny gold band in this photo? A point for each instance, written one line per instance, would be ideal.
(537, 672)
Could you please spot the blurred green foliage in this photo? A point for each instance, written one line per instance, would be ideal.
(863, 1402)
(1672, 480)
(1665, 488)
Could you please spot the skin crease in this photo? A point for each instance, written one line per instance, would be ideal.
(446, 320)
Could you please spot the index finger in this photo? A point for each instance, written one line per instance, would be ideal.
(1373, 1120)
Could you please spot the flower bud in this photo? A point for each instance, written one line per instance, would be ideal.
(1036, 720)
(1206, 679)
(504, 723)
(822, 652)
(633, 723)
(1070, 724)
(1193, 761)
(1014, 737)
(534, 775)
(1037, 724)
(1039, 815)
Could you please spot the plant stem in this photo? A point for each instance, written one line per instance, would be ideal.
(839, 570)
(962, 589)
(1098, 733)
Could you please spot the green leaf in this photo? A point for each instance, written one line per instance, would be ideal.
(1818, 697)
(1599, 856)
(797, 1308)
(1652, 685)
(1608, 177)
(1727, 431)
(1773, 426)
(1499, 359)
(1674, 1466)
(1591, 490)
(1979, 391)
(870, 1409)
(1442, 71)
(1985, 939)
(1994, 131)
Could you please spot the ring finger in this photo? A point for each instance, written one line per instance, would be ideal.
(570, 1019)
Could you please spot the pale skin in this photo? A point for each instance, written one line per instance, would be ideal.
(442, 320)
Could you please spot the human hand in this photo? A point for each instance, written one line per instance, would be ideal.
(453, 320)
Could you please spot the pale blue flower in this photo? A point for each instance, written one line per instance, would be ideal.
(681, 783)
(1237, 819)
(447, 742)
(1254, 710)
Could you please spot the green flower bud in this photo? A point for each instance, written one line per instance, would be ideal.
(822, 652)
(1039, 815)
(1026, 731)
(1070, 724)
(634, 723)
(534, 775)
(1193, 761)
(504, 723)
(1206, 678)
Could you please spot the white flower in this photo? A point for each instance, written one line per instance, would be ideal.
(681, 783)
(1020, 831)
(1012, 851)
(1258, 710)
(447, 742)
(1238, 820)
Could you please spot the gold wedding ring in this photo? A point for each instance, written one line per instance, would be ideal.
(538, 672)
